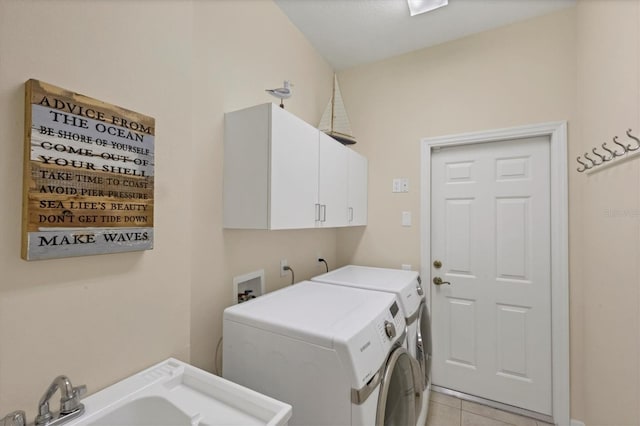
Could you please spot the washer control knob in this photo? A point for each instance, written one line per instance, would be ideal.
(390, 329)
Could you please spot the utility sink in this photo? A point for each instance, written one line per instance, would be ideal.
(174, 393)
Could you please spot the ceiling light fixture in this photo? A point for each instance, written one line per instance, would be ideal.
(417, 7)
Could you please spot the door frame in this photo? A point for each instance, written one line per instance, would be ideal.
(557, 134)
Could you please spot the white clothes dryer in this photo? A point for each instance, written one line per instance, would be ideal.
(407, 286)
(331, 352)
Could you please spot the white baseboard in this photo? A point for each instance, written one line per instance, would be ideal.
(575, 422)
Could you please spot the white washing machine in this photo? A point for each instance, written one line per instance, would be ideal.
(331, 352)
(406, 285)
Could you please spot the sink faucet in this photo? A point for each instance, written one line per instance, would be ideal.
(70, 405)
(17, 418)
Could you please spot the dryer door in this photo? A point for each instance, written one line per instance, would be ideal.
(400, 392)
(423, 343)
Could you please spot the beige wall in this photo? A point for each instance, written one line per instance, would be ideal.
(95, 318)
(579, 65)
(185, 63)
(608, 53)
(512, 76)
(101, 318)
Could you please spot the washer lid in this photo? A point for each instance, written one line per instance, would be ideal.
(401, 282)
(360, 326)
(313, 312)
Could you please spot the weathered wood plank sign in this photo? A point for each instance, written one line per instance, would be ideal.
(88, 176)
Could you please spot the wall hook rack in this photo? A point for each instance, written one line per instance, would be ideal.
(612, 154)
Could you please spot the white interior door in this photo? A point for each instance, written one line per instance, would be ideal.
(490, 229)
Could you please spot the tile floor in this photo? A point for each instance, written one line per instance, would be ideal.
(445, 410)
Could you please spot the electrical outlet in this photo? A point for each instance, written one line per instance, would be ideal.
(404, 185)
(283, 263)
(400, 185)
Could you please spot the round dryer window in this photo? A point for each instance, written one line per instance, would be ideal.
(423, 344)
(400, 392)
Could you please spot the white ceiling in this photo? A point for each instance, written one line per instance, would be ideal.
(354, 32)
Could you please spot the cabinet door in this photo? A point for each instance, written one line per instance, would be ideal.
(357, 189)
(293, 172)
(332, 189)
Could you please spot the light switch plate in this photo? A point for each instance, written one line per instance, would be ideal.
(406, 218)
(397, 185)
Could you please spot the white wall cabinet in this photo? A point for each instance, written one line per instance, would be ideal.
(357, 197)
(282, 173)
(293, 169)
(270, 170)
(332, 185)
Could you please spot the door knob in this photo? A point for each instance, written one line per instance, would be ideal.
(438, 281)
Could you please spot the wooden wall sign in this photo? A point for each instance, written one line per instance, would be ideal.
(88, 176)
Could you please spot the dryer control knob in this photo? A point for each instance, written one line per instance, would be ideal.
(390, 329)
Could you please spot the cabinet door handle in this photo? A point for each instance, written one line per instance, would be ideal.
(317, 212)
(324, 212)
(350, 214)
